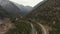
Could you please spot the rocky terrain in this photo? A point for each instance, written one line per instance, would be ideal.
(45, 19)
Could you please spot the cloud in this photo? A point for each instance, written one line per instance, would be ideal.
(31, 3)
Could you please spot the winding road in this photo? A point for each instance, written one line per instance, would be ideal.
(44, 29)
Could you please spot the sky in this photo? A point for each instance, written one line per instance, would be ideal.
(31, 3)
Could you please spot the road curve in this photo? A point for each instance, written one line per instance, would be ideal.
(33, 31)
(44, 30)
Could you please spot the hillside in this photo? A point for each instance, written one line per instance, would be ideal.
(45, 19)
(24, 9)
(10, 7)
(47, 14)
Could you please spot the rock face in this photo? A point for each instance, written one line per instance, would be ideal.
(48, 14)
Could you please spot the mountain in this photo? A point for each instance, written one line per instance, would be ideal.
(14, 8)
(24, 9)
(3, 12)
(10, 7)
(47, 13)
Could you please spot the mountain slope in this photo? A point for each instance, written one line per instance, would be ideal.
(48, 14)
(24, 9)
(10, 7)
